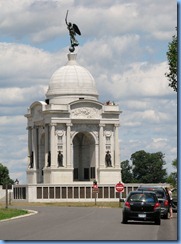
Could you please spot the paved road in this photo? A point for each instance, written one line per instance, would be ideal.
(84, 223)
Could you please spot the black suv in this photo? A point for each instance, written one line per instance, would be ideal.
(162, 198)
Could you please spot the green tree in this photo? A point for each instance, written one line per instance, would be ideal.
(172, 178)
(4, 175)
(172, 62)
(148, 167)
(126, 171)
(174, 163)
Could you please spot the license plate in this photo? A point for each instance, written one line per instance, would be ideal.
(142, 215)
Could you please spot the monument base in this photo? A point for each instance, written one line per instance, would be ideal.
(109, 175)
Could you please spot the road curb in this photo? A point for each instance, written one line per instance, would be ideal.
(30, 212)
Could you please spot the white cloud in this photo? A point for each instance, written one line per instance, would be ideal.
(14, 96)
(26, 65)
(20, 19)
(146, 117)
(7, 120)
(152, 115)
(142, 79)
(158, 140)
(95, 19)
(110, 49)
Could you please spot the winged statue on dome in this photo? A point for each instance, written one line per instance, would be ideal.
(73, 30)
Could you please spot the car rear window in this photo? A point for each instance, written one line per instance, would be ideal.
(141, 197)
(159, 192)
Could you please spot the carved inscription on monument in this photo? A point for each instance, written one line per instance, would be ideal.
(86, 112)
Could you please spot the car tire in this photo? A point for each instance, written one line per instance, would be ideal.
(124, 221)
(158, 221)
(165, 216)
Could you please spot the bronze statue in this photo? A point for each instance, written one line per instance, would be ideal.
(73, 30)
(49, 159)
(16, 182)
(31, 160)
(108, 159)
(60, 159)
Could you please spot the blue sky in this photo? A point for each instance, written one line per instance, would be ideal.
(123, 45)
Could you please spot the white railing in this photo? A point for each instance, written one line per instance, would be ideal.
(72, 192)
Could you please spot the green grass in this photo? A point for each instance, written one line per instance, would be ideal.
(85, 204)
(6, 213)
(67, 204)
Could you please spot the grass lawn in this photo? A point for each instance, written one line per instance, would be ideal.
(6, 213)
(68, 204)
(86, 204)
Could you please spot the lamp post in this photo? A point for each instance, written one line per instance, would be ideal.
(7, 185)
(6, 195)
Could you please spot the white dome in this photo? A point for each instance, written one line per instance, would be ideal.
(71, 82)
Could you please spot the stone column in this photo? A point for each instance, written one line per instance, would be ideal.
(53, 147)
(116, 147)
(101, 147)
(38, 147)
(29, 145)
(46, 144)
(68, 162)
(34, 147)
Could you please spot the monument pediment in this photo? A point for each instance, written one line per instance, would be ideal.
(87, 110)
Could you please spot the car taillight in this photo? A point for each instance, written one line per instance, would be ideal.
(157, 205)
(166, 203)
(127, 204)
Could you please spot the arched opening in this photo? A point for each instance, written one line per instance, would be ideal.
(84, 157)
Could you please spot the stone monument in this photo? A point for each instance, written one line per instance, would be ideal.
(75, 123)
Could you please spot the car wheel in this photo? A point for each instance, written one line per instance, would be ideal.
(165, 216)
(124, 221)
(157, 221)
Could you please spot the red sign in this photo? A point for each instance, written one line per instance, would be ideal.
(95, 186)
(120, 187)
